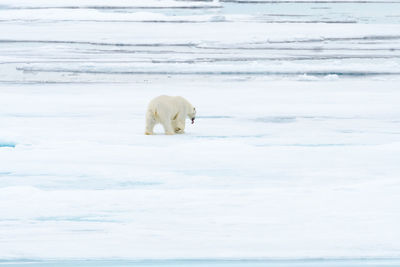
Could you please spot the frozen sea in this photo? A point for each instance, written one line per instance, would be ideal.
(293, 160)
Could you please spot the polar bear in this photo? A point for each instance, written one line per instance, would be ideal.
(171, 112)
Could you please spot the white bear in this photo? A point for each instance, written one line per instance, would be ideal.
(171, 112)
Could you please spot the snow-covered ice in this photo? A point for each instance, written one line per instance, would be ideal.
(294, 154)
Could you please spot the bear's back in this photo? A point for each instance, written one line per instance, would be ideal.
(167, 100)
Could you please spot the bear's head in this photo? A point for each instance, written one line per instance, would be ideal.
(192, 113)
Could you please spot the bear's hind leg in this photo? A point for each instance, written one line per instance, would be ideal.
(150, 123)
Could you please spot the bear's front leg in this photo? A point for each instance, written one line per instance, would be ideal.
(179, 126)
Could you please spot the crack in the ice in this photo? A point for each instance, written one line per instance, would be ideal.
(222, 73)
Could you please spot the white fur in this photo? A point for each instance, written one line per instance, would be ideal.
(171, 112)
